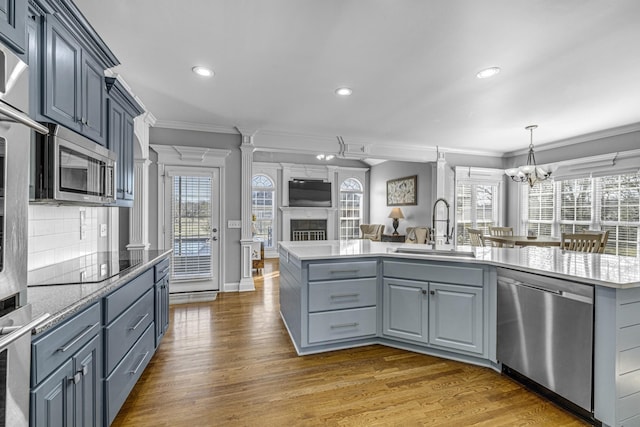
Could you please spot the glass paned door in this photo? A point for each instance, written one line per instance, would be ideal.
(192, 226)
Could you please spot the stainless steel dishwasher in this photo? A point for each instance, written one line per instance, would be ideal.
(545, 333)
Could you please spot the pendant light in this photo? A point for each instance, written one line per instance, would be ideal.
(531, 172)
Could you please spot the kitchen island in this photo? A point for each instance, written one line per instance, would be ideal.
(341, 294)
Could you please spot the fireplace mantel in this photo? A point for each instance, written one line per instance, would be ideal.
(289, 213)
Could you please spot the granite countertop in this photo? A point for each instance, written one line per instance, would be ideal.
(595, 269)
(63, 300)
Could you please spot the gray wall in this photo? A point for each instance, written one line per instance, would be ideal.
(232, 189)
(414, 215)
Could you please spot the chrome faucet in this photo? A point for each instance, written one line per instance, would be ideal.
(434, 220)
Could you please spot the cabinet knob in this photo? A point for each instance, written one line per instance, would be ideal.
(432, 292)
(424, 292)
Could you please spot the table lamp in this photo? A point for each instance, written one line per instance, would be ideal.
(396, 214)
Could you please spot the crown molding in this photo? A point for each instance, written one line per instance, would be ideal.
(199, 127)
(587, 137)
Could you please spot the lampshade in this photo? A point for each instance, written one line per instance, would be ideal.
(396, 213)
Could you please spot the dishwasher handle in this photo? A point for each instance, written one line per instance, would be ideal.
(556, 292)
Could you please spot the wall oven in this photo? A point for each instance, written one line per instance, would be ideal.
(16, 129)
(69, 168)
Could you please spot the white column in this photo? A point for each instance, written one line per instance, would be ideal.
(247, 148)
(139, 213)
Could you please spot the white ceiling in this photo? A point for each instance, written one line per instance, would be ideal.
(570, 66)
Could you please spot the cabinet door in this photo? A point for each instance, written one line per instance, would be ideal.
(52, 401)
(162, 308)
(12, 23)
(127, 155)
(93, 100)
(116, 133)
(405, 309)
(62, 75)
(456, 317)
(32, 57)
(88, 386)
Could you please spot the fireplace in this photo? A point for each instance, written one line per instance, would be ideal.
(326, 215)
(308, 229)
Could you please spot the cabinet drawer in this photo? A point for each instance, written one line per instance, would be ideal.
(119, 300)
(51, 350)
(126, 329)
(463, 275)
(161, 269)
(342, 324)
(342, 270)
(339, 294)
(118, 385)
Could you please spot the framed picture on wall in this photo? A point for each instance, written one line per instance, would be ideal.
(402, 191)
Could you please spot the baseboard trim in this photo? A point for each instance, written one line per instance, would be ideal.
(231, 287)
(187, 297)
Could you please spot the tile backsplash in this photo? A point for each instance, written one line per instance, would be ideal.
(60, 233)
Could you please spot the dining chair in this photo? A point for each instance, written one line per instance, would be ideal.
(604, 238)
(476, 237)
(500, 231)
(581, 242)
(372, 231)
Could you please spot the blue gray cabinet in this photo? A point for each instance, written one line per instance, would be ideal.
(74, 91)
(122, 109)
(67, 373)
(12, 23)
(405, 309)
(162, 298)
(456, 317)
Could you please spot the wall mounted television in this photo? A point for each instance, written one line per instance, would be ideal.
(309, 193)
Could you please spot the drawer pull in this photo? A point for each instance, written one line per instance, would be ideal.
(353, 270)
(78, 337)
(135, 371)
(344, 296)
(165, 271)
(345, 325)
(134, 327)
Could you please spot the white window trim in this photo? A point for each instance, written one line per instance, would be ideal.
(274, 223)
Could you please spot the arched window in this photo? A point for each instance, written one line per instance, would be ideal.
(263, 209)
(350, 208)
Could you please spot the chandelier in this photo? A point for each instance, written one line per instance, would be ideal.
(531, 173)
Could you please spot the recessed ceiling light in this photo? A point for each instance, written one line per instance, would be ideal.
(344, 91)
(203, 71)
(488, 72)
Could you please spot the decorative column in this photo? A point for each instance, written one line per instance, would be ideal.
(247, 148)
(139, 214)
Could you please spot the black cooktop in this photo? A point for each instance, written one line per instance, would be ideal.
(91, 268)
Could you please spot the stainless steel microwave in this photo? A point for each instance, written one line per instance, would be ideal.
(69, 168)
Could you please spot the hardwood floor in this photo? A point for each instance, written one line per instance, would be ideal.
(230, 363)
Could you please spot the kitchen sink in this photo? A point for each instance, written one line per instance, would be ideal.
(437, 252)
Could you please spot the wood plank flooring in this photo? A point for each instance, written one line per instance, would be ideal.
(230, 363)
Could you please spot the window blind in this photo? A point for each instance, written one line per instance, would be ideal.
(350, 208)
(191, 227)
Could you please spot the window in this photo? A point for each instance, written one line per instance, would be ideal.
(350, 208)
(540, 209)
(619, 200)
(573, 205)
(476, 207)
(263, 209)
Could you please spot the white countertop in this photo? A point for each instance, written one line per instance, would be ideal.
(597, 269)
